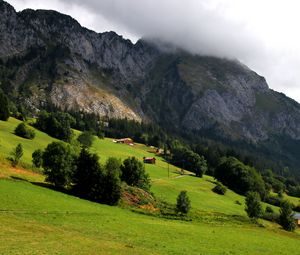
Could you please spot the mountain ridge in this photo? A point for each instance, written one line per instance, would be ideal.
(48, 57)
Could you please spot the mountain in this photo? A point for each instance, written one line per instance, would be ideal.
(48, 57)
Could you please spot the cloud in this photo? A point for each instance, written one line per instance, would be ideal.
(261, 33)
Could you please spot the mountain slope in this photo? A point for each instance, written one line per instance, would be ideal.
(47, 57)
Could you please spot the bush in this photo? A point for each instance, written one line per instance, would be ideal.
(271, 216)
(4, 107)
(276, 201)
(133, 173)
(269, 209)
(286, 219)
(58, 164)
(183, 203)
(24, 131)
(37, 158)
(16, 154)
(86, 139)
(219, 189)
(253, 205)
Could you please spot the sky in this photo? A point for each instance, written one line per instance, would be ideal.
(263, 34)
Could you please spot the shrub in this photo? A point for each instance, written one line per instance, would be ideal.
(183, 203)
(253, 205)
(58, 164)
(276, 201)
(16, 154)
(86, 139)
(219, 189)
(286, 219)
(37, 158)
(271, 216)
(24, 131)
(133, 173)
(269, 209)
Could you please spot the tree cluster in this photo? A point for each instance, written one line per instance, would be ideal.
(85, 176)
(56, 124)
(187, 159)
(239, 177)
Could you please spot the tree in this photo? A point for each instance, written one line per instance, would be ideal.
(93, 182)
(58, 164)
(16, 154)
(253, 205)
(183, 203)
(112, 183)
(86, 139)
(37, 158)
(4, 107)
(286, 219)
(87, 176)
(133, 173)
(24, 131)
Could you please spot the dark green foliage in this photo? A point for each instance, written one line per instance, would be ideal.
(239, 177)
(58, 164)
(37, 158)
(16, 154)
(183, 203)
(272, 200)
(88, 176)
(56, 124)
(189, 160)
(286, 219)
(219, 189)
(269, 209)
(24, 131)
(86, 139)
(112, 182)
(253, 205)
(94, 182)
(133, 173)
(4, 107)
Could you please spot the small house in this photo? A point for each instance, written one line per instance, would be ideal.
(149, 160)
(297, 219)
(128, 141)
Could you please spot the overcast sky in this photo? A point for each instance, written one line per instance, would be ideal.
(263, 34)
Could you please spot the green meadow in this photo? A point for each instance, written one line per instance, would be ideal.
(38, 220)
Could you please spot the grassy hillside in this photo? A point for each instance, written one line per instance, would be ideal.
(37, 220)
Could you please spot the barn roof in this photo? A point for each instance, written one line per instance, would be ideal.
(297, 216)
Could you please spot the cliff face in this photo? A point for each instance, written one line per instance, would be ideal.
(47, 56)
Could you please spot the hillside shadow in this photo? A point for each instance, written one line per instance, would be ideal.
(52, 187)
(16, 178)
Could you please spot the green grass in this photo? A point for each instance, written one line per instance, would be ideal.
(37, 220)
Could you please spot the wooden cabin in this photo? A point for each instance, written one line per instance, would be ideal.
(297, 219)
(128, 141)
(149, 160)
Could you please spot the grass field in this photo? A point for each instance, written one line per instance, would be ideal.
(37, 220)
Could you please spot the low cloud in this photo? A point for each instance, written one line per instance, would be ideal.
(261, 33)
